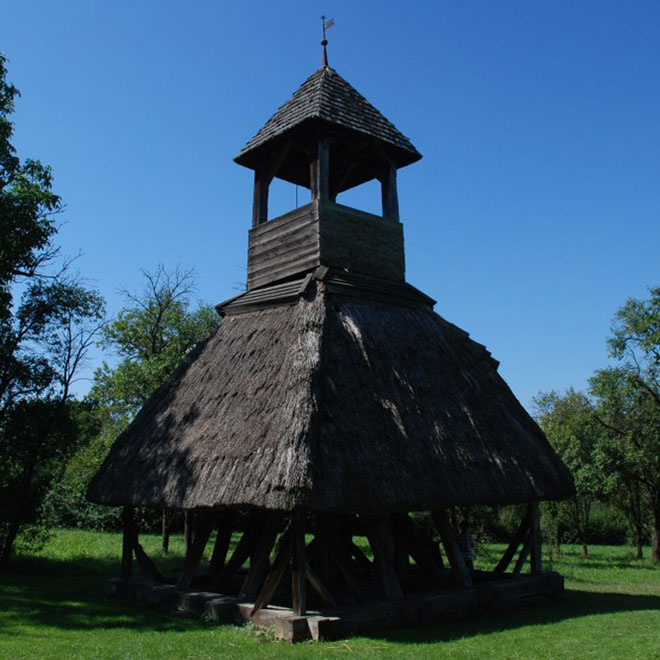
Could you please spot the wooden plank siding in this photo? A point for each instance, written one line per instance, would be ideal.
(327, 234)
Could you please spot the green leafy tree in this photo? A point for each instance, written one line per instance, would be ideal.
(630, 451)
(151, 335)
(570, 425)
(48, 320)
(635, 342)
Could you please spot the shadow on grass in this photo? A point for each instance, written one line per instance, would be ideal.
(573, 605)
(69, 594)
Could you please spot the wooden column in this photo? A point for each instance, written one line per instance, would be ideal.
(260, 198)
(389, 194)
(535, 559)
(222, 541)
(128, 520)
(319, 171)
(204, 525)
(298, 565)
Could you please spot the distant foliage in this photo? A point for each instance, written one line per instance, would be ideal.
(151, 336)
(48, 320)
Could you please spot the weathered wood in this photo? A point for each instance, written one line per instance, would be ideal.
(274, 577)
(204, 526)
(298, 565)
(260, 197)
(319, 170)
(524, 553)
(535, 557)
(518, 538)
(165, 530)
(319, 587)
(419, 549)
(382, 558)
(128, 520)
(260, 563)
(389, 194)
(456, 561)
(222, 542)
(150, 573)
(187, 529)
(360, 557)
(242, 551)
(400, 540)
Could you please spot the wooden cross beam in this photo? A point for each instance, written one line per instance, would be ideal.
(460, 570)
(518, 538)
(204, 526)
(222, 541)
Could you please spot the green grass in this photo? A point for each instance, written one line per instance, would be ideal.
(51, 606)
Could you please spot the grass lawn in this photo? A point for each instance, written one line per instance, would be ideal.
(51, 606)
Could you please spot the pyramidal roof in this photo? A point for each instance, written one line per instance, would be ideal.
(327, 97)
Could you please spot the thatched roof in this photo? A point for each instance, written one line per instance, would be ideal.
(333, 403)
(325, 96)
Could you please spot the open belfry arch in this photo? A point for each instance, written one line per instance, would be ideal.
(331, 403)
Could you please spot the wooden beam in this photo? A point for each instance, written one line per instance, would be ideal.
(319, 171)
(535, 558)
(456, 561)
(522, 557)
(419, 549)
(260, 197)
(187, 529)
(128, 522)
(383, 559)
(319, 587)
(226, 524)
(204, 525)
(519, 537)
(274, 577)
(401, 540)
(390, 195)
(241, 552)
(298, 565)
(261, 560)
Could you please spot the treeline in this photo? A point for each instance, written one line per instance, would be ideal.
(609, 435)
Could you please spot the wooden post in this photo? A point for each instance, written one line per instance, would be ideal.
(522, 557)
(187, 529)
(128, 519)
(260, 562)
(535, 559)
(298, 565)
(383, 559)
(260, 197)
(276, 573)
(460, 570)
(165, 530)
(518, 538)
(389, 194)
(319, 171)
(195, 550)
(222, 542)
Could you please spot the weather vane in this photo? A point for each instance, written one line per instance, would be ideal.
(326, 25)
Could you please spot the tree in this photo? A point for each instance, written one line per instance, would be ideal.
(151, 335)
(48, 320)
(630, 452)
(569, 423)
(635, 342)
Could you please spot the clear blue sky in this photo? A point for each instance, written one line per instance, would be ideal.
(534, 214)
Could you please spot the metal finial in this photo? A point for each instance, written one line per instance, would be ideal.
(324, 43)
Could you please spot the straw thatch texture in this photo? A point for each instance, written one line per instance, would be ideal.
(333, 403)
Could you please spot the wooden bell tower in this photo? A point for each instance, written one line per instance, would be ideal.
(327, 138)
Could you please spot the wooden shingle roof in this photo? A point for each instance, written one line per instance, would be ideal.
(325, 96)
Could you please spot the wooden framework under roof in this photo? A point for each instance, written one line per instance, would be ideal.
(331, 403)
